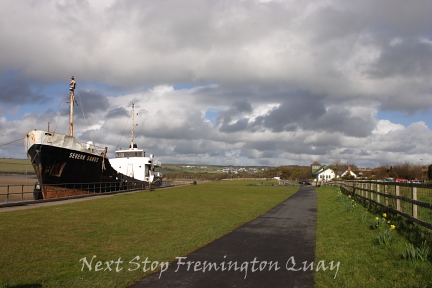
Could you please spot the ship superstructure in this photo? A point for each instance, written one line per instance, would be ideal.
(133, 162)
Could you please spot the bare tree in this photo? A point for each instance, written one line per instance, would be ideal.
(406, 170)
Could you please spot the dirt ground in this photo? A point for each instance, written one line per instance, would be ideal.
(17, 180)
(16, 187)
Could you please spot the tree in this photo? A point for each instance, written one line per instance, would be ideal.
(405, 170)
(430, 172)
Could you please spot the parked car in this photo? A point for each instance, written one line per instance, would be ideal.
(305, 183)
(401, 180)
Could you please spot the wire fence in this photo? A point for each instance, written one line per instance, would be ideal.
(412, 201)
(11, 195)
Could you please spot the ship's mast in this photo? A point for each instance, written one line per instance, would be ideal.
(133, 125)
(71, 105)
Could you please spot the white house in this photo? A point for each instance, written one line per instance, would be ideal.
(347, 172)
(322, 172)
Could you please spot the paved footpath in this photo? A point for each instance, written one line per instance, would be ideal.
(269, 251)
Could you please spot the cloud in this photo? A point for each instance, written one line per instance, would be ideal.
(286, 81)
(93, 101)
(408, 57)
(17, 90)
(176, 134)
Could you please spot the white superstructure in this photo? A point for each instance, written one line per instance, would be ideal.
(60, 140)
(133, 162)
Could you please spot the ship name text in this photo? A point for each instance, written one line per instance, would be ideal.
(83, 157)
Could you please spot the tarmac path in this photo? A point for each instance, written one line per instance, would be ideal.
(268, 251)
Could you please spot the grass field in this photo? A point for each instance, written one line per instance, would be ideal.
(15, 166)
(344, 233)
(43, 246)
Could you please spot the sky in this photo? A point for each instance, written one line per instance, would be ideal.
(224, 82)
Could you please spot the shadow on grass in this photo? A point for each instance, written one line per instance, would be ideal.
(26, 286)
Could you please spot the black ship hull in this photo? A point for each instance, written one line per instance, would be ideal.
(63, 172)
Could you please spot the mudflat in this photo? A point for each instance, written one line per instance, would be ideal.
(15, 188)
(17, 180)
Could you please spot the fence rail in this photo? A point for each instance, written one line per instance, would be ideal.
(412, 201)
(260, 179)
(11, 195)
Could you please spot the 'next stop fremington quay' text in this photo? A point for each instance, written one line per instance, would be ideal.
(204, 266)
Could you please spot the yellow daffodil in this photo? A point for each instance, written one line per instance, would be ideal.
(388, 222)
(384, 215)
(376, 218)
(392, 227)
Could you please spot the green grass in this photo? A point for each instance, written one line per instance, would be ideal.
(15, 166)
(346, 236)
(44, 245)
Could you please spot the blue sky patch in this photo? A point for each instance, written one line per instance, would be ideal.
(404, 119)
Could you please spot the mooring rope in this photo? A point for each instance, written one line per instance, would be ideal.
(11, 142)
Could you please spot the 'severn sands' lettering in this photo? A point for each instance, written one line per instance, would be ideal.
(77, 156)
(83, 157)
(92, 158)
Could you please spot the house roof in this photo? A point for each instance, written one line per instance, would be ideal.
(315, 163)
(347, 171)
(322, 169)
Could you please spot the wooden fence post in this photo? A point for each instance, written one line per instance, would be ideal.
(386, 187)
(397, 200)
(378, 190)
(364, 191)
(414, 206)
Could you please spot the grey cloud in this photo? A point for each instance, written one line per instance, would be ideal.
(340, 119)
(117, 113)
(237, 109)
(91, 102)
(348, 152)
(299, 110)
(16, 89)
(406, 103)
(240, 125)
(330, 24)
(195, 147)
(296, 111)
(409, 58)
(94, 101)
(243, 106)
(296, 146)
(397, 17)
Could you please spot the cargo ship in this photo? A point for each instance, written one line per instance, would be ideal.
(66, 167)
